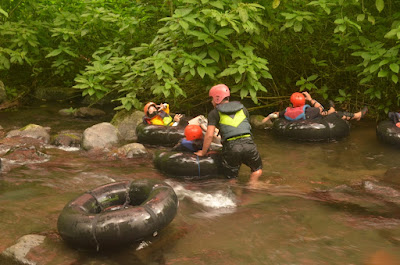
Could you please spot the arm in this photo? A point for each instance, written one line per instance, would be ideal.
(207, 141)
(272, 115)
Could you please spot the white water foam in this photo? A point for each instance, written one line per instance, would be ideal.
(64, 148)
(216, 200)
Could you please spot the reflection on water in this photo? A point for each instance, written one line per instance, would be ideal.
(298, 214)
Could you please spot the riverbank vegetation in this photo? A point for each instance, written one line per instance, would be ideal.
(135, 51)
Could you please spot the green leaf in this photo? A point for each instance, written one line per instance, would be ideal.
(371, 19)
(383, 73)
(214, 54)
(168, 69)
(361, 17)
(383, 62)
(312, 77)
(2, 11)
(394, 67)
(244, 92)
(378, 94)
(201, 71)
(184, 24)
(253, 95)
(342, 92)
(297, 26)
(373, 68)
(54, 53)
(275, 4)
(224, 32)
(217, 4)
(395, 79)
(183, 12)
(380, 4)
(244, 16)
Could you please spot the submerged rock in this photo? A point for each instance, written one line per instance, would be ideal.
(86, 112)
(102, 135)
(67, 138)
(126, 123)
(392, 176)
(382, 191)
(32, 131)
(132, 150)
(18, 252)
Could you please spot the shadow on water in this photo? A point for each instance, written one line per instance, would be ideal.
(297, 214)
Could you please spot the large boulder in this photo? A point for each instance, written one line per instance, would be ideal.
(32, 131)
(100, 136)
(126, 123)
(3, 94)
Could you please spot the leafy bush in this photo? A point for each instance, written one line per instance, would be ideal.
(135, 51)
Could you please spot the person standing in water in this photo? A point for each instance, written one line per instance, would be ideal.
(232, 120)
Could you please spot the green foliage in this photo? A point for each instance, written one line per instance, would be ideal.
(135, 51)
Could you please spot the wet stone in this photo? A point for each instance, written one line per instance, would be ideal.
(86, 112)
(100, 136)
(67, 138)
(132, 150)
(32, 131)
(19, 251)
(126, 123)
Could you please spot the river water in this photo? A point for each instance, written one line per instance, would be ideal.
(279, 221)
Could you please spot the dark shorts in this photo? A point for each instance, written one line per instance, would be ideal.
(238, 152)
(312, 113)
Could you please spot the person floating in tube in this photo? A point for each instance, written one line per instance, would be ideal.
(395, 117)
(232, 119)
(159, 115)
(303, 111)
(193, 140)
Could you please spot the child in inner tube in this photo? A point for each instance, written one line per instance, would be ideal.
(395, 117)
(159, 115)
(193, 140)
(303, 111)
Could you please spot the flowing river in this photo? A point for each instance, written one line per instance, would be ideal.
(309, 207)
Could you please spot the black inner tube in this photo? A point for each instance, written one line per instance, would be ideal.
(321, 129)
(117, 213)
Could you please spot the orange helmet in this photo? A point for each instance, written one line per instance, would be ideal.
(147, 106)
(297, 99)
(193, 132)
(219, 92)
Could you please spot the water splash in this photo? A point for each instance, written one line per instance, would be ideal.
(215, 200)
(64, 148)
(143, 245)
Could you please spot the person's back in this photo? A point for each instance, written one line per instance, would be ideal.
(232, 118)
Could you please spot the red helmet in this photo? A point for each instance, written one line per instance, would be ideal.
(297, 99)
(219, 92)
(147, 106)
(193, 132)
